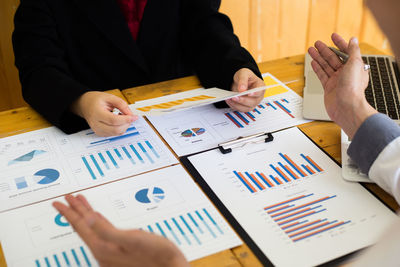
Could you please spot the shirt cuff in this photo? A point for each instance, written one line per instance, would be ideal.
(371, 138)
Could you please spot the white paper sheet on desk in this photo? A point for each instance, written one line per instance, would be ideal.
(166, 202)
(47, 163)
(185, 100)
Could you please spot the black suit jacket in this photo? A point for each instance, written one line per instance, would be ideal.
(64, 48)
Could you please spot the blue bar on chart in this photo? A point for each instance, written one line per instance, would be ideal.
(285, 100)
(152, 149)
(112, 159)
(20, 182)
(128, 155)
(177, 240)
(72, 257)
(145, 152)
(129, 133)
(97, 165)
(103, 160)
(234, 120)
(136, 153)
(188, 227)
(89, 168)
(118, 154)
(272, 106)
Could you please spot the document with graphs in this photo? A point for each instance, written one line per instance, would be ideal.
(165, 202)
(47, 163)
(202, 128)
(290, 199)
(185, 100)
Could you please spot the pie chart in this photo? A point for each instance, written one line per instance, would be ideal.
(61, 221)
(46, 176)
(193, 132)
(150, 195)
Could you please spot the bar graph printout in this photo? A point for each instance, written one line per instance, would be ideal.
(291, 199)
(165, 202)
(47, 163)
(281, 108)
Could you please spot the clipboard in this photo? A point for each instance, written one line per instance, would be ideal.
(228, 147)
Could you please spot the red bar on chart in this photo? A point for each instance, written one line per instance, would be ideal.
(315, 164)
(292, 172)
(266, 179)
(247, 182)
(283, 174)
(257, 181)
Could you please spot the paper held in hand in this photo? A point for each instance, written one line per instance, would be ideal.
(185, 100)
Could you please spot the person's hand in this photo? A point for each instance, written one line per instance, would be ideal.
(96, 108)
(344, 84)
(114, 247)
(243, 80)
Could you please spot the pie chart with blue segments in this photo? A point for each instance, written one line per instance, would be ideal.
(150, 195)
(46, 176)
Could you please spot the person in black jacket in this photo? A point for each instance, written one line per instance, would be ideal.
(69, 51)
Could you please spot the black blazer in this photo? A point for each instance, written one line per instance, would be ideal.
(64, 48)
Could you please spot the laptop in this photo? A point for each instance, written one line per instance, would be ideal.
(382, 93)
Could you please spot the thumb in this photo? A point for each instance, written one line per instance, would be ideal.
(242, 80)
(354, 49)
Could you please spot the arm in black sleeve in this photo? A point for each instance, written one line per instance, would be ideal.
(212, 46)
(47, 83)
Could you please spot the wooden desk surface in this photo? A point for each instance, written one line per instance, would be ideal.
(289, 70)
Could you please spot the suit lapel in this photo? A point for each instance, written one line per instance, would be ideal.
(106, 15)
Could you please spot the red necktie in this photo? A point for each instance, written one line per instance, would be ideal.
(133, 12)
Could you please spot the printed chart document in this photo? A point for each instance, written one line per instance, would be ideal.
(47, 163)
(205, 127)
(185, 100)
(292, 201)
(165, 202)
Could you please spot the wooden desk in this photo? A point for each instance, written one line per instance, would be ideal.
(288, 70)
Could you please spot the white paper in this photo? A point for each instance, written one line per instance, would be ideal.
(205, 127)
(185, 100)
(358, 216)
(47, 163)
(31, 233)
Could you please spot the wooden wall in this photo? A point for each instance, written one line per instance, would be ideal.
(269, 29)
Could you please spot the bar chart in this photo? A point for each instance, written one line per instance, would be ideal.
(243, 119)
(280, 173)
(190, 229)
(77, 256)
(139, 153)
(303, 216)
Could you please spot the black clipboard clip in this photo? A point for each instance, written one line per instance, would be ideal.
(227, 147)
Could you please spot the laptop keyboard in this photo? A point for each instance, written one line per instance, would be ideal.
(381, 92)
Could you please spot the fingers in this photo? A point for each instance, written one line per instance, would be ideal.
(112, 119)
(120, 104)
(76, 221)
(106, 231)
(340, 42)
(322, 76)
(241, 106)
(316, 55)
(354, 49)
(327, 54)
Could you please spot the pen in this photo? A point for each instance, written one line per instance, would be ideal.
(344, 57)
(116, 111)
(340, 54)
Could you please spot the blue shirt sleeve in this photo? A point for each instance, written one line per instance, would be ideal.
(371, 138)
